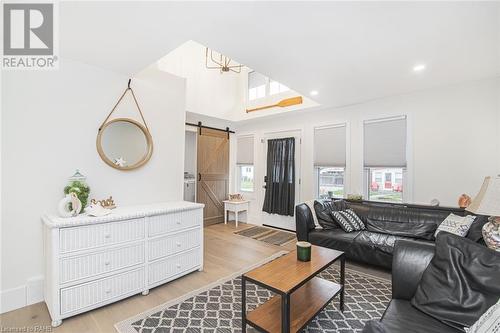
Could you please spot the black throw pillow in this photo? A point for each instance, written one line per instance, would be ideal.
(461, 282)
(348, 220)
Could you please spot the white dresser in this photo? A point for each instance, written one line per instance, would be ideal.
(94, 261)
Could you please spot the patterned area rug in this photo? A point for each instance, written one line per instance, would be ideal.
(217, 308)
(268, 235)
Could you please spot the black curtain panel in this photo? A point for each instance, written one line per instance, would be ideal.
(280, 178)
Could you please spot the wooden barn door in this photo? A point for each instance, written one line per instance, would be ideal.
(213, 173)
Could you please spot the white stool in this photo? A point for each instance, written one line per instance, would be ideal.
(235, 207)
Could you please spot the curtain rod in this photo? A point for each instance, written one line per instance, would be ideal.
(199, 125)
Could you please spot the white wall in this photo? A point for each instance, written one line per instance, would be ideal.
(208, 91)
(453, 141)
(49, 127)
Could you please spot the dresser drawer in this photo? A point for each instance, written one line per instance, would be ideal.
(160, 224)
(85, 266)
(92, 236)
(171, 266)
(95, 293)
(171, 244)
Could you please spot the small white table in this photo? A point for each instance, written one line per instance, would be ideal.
(235, 207)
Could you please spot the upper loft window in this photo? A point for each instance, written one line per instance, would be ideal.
(260, 86)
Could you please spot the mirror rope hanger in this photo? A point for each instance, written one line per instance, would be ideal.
(119, 100)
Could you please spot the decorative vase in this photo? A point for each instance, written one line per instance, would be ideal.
(78, 185)
(303, 251)
(491, 233)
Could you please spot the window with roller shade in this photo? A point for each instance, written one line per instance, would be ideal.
(385, 158)
(330, 161)
(244, 164)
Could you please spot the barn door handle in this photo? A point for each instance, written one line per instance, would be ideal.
(199, 176)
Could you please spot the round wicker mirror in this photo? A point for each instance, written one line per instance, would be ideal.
(124, 144)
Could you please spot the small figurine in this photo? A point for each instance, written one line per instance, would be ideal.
(463, 201)
(105, 203)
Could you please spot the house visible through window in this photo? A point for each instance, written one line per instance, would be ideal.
(244, 164)
(245, 178)
(391, 189)
(330, 182)
(260, 86)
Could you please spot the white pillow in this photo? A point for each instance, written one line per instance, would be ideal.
(310, 204)
(489, 322)
(458, 225)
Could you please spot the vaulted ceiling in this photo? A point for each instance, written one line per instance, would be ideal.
(349, 52)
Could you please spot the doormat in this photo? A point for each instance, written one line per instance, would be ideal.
(268, 235)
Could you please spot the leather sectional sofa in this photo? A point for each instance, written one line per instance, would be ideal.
(385, 223)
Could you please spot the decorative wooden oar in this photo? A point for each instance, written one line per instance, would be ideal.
(282, 104)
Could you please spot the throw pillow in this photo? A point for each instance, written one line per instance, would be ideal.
(460, 283)
(323, 208)
(458, 225)
(489, 321)
(348, 220)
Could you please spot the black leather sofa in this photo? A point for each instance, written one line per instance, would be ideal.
(409, 263)
(386, 223)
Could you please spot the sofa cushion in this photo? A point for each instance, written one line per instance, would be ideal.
(421, 230)
(400, 220)
(460, 283)
(400, 316)
(381, 242)
(335, 238)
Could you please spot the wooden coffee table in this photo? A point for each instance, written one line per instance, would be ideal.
(301, 294)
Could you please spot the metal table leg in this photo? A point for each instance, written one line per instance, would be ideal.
(285, 313)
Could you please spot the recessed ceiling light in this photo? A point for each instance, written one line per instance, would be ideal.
(313, 93)
(419, 67)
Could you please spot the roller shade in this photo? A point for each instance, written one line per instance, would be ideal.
(244, 153)
(330, 146)
(385, 142)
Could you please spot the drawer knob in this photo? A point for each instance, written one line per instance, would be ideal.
(107, 263)
(178, 222)
(178, 265)
(107, 236)
(178, 244)
(108, 291)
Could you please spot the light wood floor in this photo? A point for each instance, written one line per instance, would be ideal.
(225, 253)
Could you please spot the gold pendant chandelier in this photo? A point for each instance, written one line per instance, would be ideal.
(223, 63)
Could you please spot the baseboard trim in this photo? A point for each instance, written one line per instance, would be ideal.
(19, 297)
